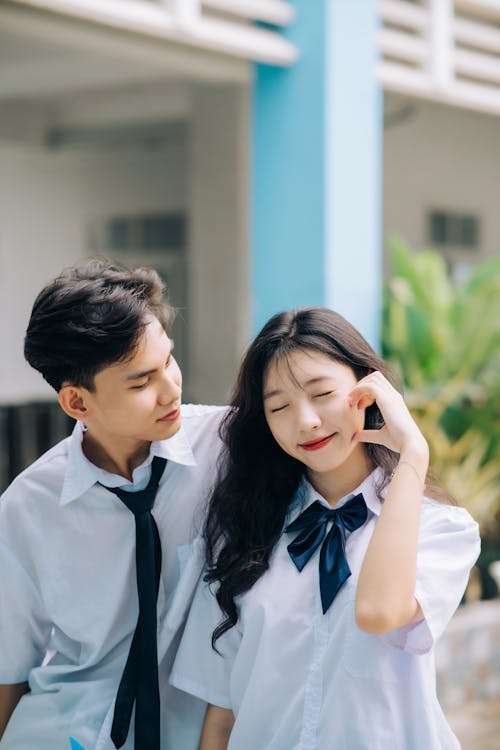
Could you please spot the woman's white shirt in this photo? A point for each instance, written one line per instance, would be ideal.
(300, 680)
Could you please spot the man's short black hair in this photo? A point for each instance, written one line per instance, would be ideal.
(90, 317)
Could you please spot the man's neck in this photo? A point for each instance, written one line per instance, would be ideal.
(117, 458)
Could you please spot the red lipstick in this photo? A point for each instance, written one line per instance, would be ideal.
(314, 445)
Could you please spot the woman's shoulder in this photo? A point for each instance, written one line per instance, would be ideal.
(447, 518)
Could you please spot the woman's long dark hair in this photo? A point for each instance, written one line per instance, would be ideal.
(249, 505)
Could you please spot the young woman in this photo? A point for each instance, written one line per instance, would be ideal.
(330, 574)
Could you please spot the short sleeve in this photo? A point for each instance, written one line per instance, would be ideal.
(448, 547)
(198, 669)
(24, 630)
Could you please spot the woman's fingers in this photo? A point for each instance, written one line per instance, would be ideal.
(361, 400)
(377, 437)
(400, 429)
(361, 397)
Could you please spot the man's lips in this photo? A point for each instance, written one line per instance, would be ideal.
(171, 416)
(314, 445)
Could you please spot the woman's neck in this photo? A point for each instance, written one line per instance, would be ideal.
(336, 484)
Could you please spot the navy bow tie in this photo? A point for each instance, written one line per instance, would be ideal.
(139, 681)
(334, 569)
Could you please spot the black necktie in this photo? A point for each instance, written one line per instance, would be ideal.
(139, 681)
(334, 569)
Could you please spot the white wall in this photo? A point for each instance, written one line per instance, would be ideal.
(444, 158)
(218, 264)
(47, 200)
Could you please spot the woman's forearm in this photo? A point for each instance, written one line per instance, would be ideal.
(385, 594)
(216, 728)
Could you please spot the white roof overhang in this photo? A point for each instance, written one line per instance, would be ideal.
(446, 51)
(224, 27)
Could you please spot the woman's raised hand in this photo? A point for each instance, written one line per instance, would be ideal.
(400, 432)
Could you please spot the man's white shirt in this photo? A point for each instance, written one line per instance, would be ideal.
(68, 592)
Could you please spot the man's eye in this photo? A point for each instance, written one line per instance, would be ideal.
(139, 387)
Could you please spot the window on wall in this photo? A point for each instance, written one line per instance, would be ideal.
(148, 233)
(457, 235)
(453, 230)
(157, 240)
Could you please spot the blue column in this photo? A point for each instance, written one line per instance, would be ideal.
(316, 182)
(353, 249)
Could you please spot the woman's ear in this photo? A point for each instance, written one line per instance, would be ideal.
(72, 401)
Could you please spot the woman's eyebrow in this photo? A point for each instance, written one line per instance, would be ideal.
(317, 379)
(311, 381)
(270, 394)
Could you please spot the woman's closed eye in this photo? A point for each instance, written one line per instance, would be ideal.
(326, 393)
(278, 408)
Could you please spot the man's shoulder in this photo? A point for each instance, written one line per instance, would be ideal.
(200, 424)
(202, 411)
(201, 419)
(46, 472)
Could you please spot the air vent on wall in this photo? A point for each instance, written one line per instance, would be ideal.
(453, 229)
(145, 233)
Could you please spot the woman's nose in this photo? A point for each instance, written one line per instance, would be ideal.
(309, 418)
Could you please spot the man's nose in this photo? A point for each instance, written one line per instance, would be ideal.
(170, 389)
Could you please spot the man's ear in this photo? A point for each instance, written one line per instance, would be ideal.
(72, 400)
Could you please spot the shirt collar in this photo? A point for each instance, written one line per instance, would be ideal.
(306, 495)
(81, 474)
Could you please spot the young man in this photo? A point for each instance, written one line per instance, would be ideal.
(83, 577)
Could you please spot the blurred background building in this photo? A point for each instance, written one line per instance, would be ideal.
(256, 152)
(259, 154)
